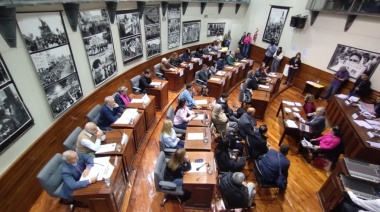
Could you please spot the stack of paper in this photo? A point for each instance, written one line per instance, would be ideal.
(106, 148)
(288, 103)
(341, 96)
(374, 144)
(128, 115)
(363, 124)
(194, 136)
(156, 83)
(291, 124)
(201, 101)
(288, 110)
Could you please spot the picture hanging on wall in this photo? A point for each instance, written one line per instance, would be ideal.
(97, 39)
(130, 35)
(152, 30)
(214, 28)
(15, 118)
(46, 40)
(174, 25)
(275, 24)
(355, 60)
(191, 31)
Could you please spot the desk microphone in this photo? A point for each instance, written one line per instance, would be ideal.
(197, 169)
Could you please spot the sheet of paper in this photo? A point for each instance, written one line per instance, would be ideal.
(296, 109)
(341, 96)
(194, 136)
(363, 124)
(215, 79)
(288, 110)
(298, 104)
(373, 122)
(374, 144)
(98, 169)
(181, 72)
(291, 124)
(220, 73)
(155, 83)
(354, 116)
(190, 66)
(137, 101)
(367, 107)
(106, 148)
(288, 103)
(199, 117)
(194, 167)
(201, 101)
(264, 86)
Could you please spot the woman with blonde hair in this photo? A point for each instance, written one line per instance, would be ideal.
(177, 164)
(168, 136)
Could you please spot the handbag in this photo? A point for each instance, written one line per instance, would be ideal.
(281, 181)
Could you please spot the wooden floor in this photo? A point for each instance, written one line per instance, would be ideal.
(303, 182)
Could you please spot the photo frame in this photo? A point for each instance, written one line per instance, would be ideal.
(15, 118)
(275, 24)
(152, 30)
(214, 28)
(97, 39)
(174, 25)
(130, 35)
(356, 60)
(191, 31)
(45, 38)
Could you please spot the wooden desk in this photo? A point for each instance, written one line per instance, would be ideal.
(197, 64)
(268, 90)
(200, 184)
(248, 66)
(216, 87)
(189, 71)
(208, 105)
(228, 75)
(138, 126)
(176, 79)
(149, 109)
(198, 145)
(233, 71)
(314, 89)
(160, 93)
(207, 59)
(200, 123)
(276, 80)
(259, 101)
(240, 71)
(99, 197)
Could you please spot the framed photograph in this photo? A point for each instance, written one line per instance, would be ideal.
(152, 15)
(131, 48)
(173, 40)
(355, 60)
(97, 39)
(174, 25)
(152, 30)
(213, 28)
(153, 47)
(46, 40)
(15, 118)
(191, 31)
(275, 24)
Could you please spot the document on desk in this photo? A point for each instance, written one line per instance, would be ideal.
(288, 103)
(363, 124)
(99, 168)
(106, 148)
(201, 101)
(190, 66)
(298, 104)
(264, 86)
(128, 114)
(155, 83)
(199, 117)
(137, 101)
(288, 110)
(373, 122)
(181, 72)
(296, 109)
(194, 136)
(220, 73)
(291, 123)
(215, 79)
(374, 144)
(194, 167)
(341, 96)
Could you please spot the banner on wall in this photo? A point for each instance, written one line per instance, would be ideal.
(174, 25)
(191, 31)
(97, 39)
(152, 30)
(46, 40)
(130, 35)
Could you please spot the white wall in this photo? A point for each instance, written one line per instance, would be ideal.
(22, 69)
(317, 43)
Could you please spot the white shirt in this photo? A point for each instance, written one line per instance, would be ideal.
(369, 205)
(93, 146)
(220, 40)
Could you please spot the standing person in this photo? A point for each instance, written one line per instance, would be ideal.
(177, 164)
(227, 39)
(294, 66)
(361, 87)
(169, 137)
(122, 98)
(182, 115)
(341, 76)
(241, 41)
(277, 57)
(246, 45)
(218, 39)
(271, 49)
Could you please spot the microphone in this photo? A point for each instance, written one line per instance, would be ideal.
(197, 169)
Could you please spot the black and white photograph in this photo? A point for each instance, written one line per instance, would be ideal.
(174, 40)
(153, 47)
(131, 48)
(152, 31)
(64, 94)
(15, 118)
(152, 15)
(214, 28)
(41, 31)
(98, 44)
(275, 24)
(129, 23)
(93, 22)
(4, 77)
(174, 25)
(355, 60)
(191, 31)
(53, 65)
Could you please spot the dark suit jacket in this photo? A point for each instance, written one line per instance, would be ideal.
(317, 124)
(258, 144)
(293, 62)
(108, 116)
(71, 176)
(364, 88)
(252, 83)
(270, 165)
(203, 75)
(247, 125)
(144, 82)
(120, 102)
(236, 195)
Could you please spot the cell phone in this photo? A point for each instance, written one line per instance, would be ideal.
(200, 160)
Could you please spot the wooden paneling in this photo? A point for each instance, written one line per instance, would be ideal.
(19, 183)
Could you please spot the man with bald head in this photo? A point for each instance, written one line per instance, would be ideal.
(247, 122)
(109, 113)
(89, 139)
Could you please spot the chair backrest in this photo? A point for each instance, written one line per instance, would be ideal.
(135, 84)
(243, 88)
(192, 53)
(249, 74)
(170, 113)
(161, 143)
(248, 147)
(197, 76)
(93, 115)
(50, 176)
(157, 70)
(159, 170)
(71, 142)
(180, 56)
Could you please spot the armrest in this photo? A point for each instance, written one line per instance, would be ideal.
(158, 73)
(169, 150)
(198, 80)
(136, 88)
(167, 185)
(178, 135)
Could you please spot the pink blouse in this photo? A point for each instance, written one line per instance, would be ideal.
(182, 116)
(328, 141)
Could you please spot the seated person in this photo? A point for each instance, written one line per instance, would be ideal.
(238, 55)
(145, 81)
(177, 164)
(309, 105)
(109, 113)
(166, 66)
(261, 75)
(214, 47)
(169, 137)
(357, 204)
(362, 86)
(175, 60)
(231, 59)
(272, 162)
(89, 140)
(252, 82)
(186, 57)
(376, 107)
(258, 142)
(188, 94)
(73, 167)
(122, 98)
(221, 122)
(203, 75)
(223, 101)
(199, 52)
(182, 114)
(317, 122)
(236, 191)
(224, 161)
(247, 122)
(326, 142)
(212, 70)
(220, 63)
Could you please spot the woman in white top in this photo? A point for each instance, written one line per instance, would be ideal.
(168, 136)
(359, 205)
(182, 114)
(278, 55)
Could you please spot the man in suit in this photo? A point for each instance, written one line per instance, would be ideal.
(272, 162)
(74, 166)
(145, 81)
(223, 101)
(109, 113)
(317, 122)
(247, 122)
(204, 74)
(89, 139)
(361, 87)
(258, 142)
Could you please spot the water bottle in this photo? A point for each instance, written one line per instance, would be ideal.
(209, 170)
(205, 138)
(108, 182)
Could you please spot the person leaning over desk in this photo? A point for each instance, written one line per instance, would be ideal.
(122, 98)
(145, 81)
(109, 113)
(89, 140)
